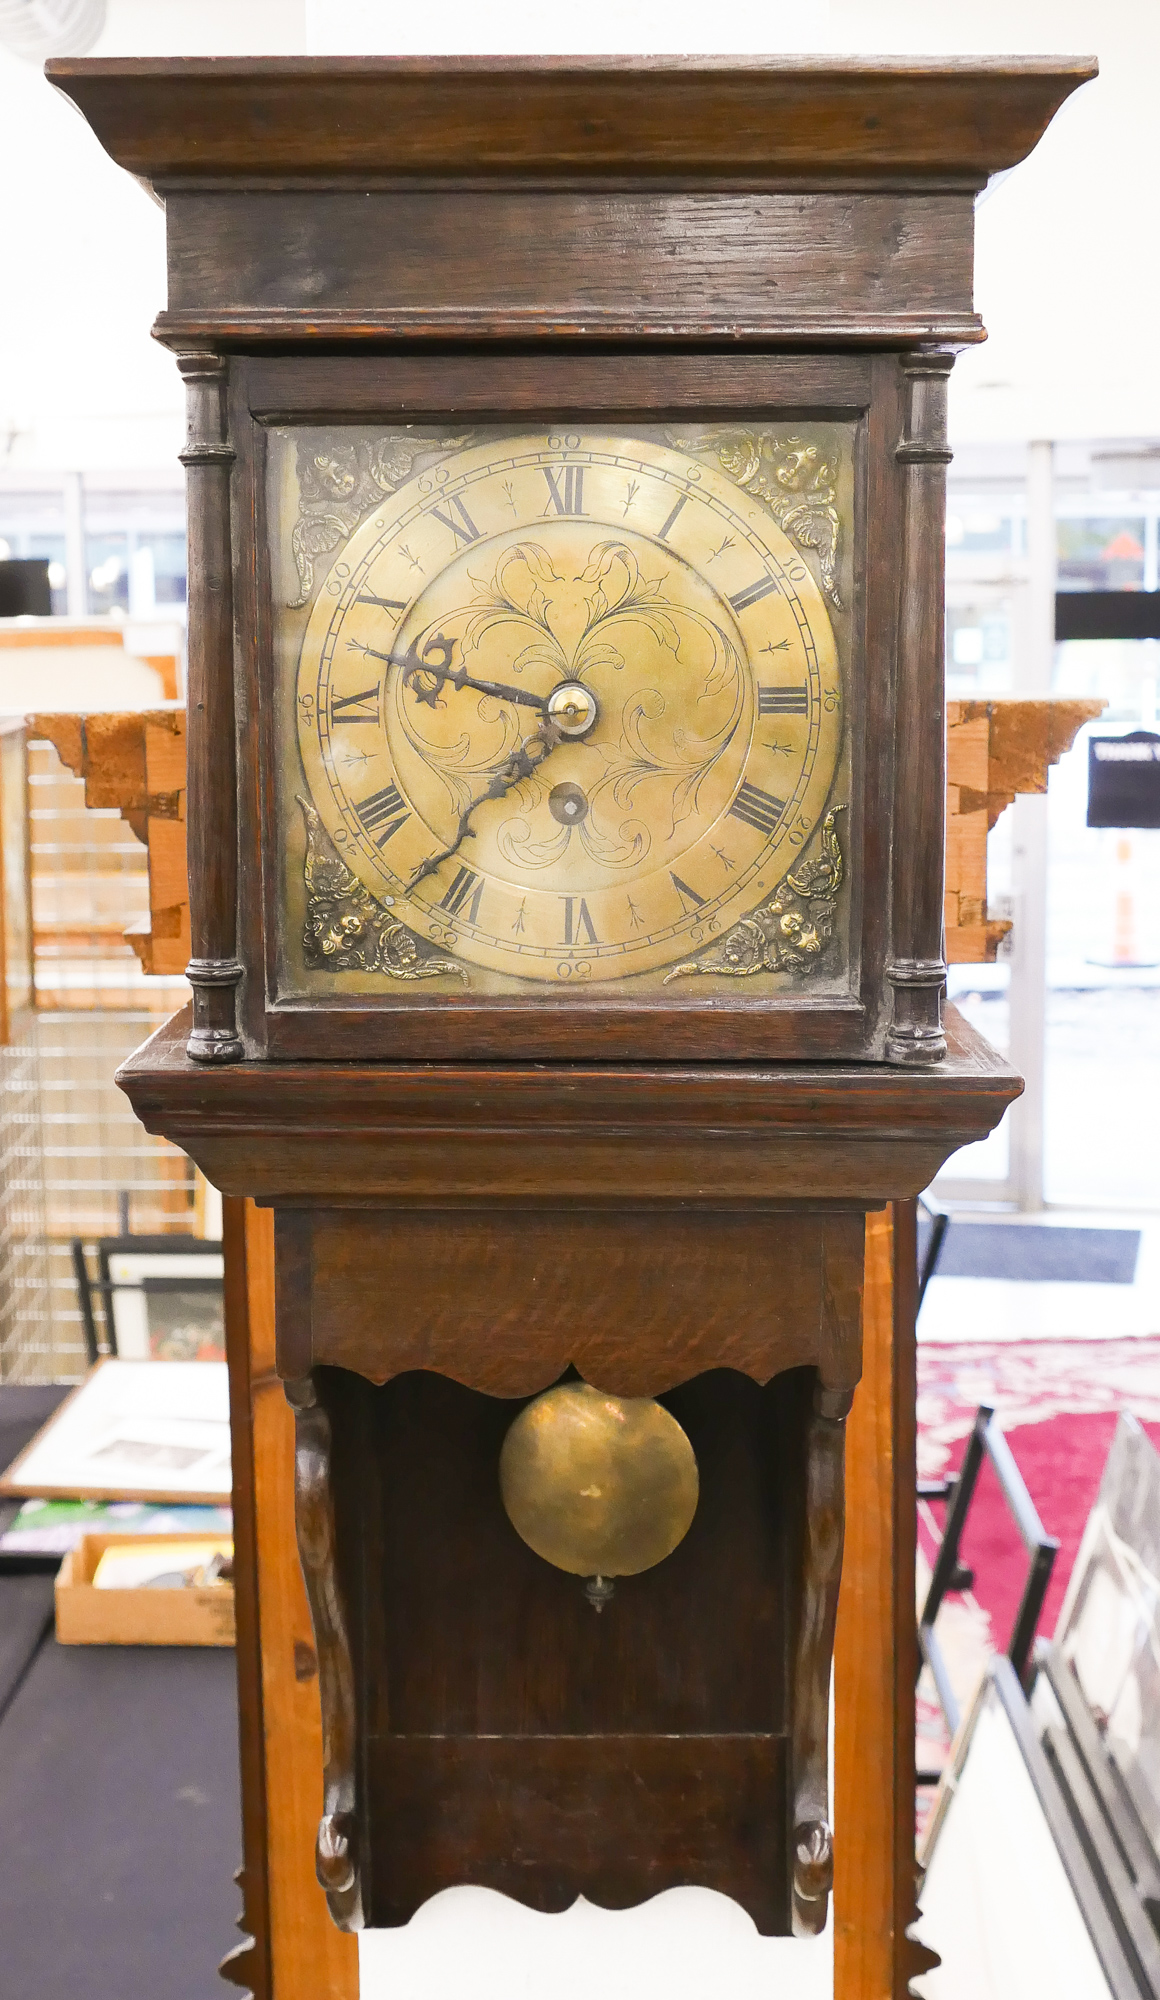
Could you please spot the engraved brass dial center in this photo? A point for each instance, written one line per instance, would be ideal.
(573, 709)
(598, 1485)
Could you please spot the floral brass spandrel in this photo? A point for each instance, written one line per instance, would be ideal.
(340, 479)
(795, 479)
(790, 931)
(349, 930)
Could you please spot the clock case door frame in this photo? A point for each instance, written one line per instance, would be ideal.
(605, 388)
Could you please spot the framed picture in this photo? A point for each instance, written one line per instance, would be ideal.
(134, 1430)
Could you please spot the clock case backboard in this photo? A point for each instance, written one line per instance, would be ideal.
(837, 1009)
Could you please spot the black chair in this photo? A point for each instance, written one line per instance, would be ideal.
(933, 1224)
(957, 1492)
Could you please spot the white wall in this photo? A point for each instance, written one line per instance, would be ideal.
(1068, 279)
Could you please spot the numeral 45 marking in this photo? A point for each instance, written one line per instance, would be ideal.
(565, 488)
(782, 700)
(362, 707)
(578, 924)
(458, 520)
(386, 809)
(466, 890)
(758, 809)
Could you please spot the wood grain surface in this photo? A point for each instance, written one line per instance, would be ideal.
(640, 264)
(490, 1688)
(874, 1651)
(636, 1301)
(430, 1134)
(309, 1958)
(862, 117)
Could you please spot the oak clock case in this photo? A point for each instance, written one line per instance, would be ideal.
(562, 714)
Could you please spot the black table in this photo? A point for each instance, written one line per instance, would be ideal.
(118, 1802)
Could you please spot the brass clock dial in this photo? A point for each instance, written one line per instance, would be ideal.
(569, 707)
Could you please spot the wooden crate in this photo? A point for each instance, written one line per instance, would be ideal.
(86, 1616)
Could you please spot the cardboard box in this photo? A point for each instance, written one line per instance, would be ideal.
(86, 1616)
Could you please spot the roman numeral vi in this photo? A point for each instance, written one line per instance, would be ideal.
(578, 923)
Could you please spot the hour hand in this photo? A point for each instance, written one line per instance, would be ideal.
(521, 764)
(425, 673)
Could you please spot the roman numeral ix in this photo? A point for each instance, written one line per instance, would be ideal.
(578, 923)
(362, 707)
(385, 809)
(758, 809)
(782, 700)
(458, 520)
(466, 884)
(565, 493)
(753, 592)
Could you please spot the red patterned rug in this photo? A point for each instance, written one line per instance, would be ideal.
(1057, 1403)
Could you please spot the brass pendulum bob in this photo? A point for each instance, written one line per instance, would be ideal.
(601, 1486)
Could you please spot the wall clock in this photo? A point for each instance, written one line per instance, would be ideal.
(566, 458)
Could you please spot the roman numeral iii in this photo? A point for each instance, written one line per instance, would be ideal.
(466, 884)
(457, 518)
(565, 488)
(758, 809)
(385, 809)
(362, 707)
(782, 700)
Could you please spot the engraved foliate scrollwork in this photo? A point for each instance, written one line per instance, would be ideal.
(340, 479)
(349, 930)
(787, 933)
(795, 480)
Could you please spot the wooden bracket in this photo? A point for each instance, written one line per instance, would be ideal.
(135, 764)
(995, 749)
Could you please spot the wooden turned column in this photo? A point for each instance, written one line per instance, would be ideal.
(213, 971)
(916, 971)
